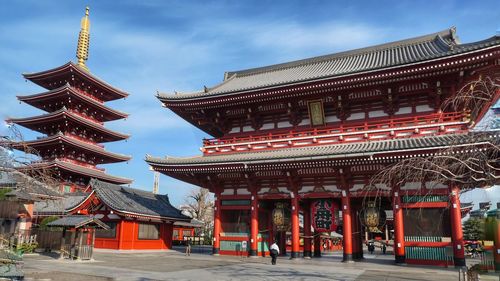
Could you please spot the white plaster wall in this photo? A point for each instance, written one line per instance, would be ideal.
(242, 191)
(356, 116)
(377, 113)
(423, 108)
(403, 110)
(228, 191)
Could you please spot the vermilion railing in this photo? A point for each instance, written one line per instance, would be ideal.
(340, 132)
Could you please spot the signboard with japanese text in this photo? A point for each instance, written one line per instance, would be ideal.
(323, 215)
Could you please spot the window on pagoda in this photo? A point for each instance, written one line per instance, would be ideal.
(107, 233)
(149, 231)
(175, 234)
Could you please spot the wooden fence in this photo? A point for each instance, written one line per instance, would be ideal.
(48, 239)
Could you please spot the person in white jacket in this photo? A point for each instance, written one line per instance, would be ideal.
(275, 251)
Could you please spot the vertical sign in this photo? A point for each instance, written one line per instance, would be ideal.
(316, 112)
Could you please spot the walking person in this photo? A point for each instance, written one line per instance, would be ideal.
(188, 247)
(275, 251)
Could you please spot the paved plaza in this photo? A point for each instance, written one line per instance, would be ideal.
(174, 265)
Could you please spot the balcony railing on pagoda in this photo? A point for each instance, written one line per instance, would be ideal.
(430, 124)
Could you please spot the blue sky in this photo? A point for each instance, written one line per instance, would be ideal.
(145, 46)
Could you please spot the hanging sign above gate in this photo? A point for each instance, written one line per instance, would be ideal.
(323, 215)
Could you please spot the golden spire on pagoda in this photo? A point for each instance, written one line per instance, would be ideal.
(82, 49)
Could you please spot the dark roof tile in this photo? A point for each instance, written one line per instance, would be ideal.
(135, 201)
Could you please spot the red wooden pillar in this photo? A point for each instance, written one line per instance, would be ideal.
(347, 228)
(496, 238)
(399, 237)
(357, 243)
(317, 245)
(456, 228)
(217, 225)
(307, 231)
(254, 225)
(295, 226)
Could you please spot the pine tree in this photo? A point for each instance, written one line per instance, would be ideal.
(473, 229)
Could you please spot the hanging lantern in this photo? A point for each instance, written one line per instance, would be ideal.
(372, 218)
(280, 220)
(323, 215)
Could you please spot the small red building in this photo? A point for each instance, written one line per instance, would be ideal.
(137, 219)
(186, 230)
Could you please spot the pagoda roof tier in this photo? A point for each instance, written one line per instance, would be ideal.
(77, 170)
(60, 139)
(61, 117)
(51, 101)
(337, 152)
(71, 73)
(404, 53)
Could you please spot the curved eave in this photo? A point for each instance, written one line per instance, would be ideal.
(109, 157)
(34, 100)
(146, 216)
(367, 150)
(44, 118)
(69, 68)
(84, 202)
(77, 169)
(213, 93)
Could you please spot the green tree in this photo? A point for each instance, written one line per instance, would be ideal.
(473, 229)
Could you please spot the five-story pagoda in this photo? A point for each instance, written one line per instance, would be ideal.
(74, 122)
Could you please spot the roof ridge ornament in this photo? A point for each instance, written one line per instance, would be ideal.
(82, 49)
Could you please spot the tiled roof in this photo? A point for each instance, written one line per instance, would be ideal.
(44, 79)
(193, 223)
(61, 206)
(413, 50)
(336, 151)
(136, 202)
(74, 168)
(26, 186)
(60, 138)
(77, 222)
(38, 100)
(66, 115)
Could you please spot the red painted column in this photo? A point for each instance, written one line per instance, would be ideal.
(295, 226)
(399, 236)
(357, 248)
(120, 236)
(217, 225)
(317, 245)
(254, 225)
(307, 231)
(496, 240)
(456, 228)
(347, 226)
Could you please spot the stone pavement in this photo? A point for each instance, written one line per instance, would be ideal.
(173, 265)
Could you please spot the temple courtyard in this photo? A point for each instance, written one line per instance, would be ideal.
(174, 265)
